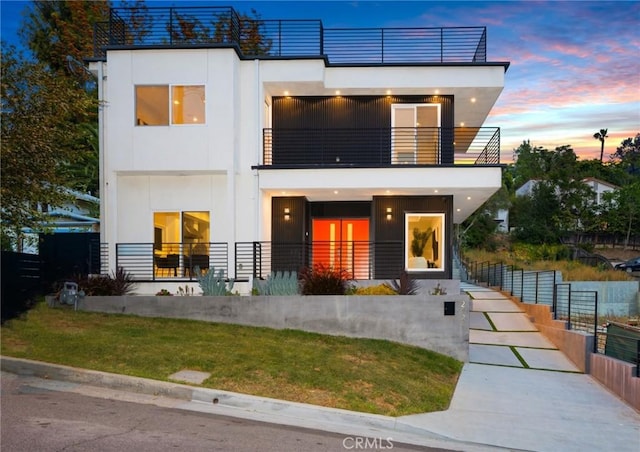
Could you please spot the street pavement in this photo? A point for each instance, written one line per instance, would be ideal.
(518, 392)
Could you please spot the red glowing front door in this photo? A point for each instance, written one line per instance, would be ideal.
(342, 243)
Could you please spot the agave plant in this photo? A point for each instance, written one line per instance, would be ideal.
(404, 285)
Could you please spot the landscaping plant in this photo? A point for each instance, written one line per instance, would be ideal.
(323, 280)
(278, 283)
(119, 283)
(212, 283)
(404, 285)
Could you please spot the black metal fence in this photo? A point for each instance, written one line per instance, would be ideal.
(608, 240)
(578, 308)
(161, 261)
(381, 146)
(147, 262)
(359, 259)
(261, 38)
(623, 342)
(20, 283)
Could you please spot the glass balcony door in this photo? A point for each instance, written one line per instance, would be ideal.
(415, 137)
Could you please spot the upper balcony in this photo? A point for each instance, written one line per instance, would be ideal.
(380, 148)
(181, 27)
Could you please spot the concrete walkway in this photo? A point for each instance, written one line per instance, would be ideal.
(518, 392)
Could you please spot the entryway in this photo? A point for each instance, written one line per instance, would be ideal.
(342, 243)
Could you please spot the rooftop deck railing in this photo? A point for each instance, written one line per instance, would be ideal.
(381, 146)
(257, 38)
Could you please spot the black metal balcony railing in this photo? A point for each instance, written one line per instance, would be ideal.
(359, 259)
(381, 147)
(150, 262)
(206, 26)
(147, 262)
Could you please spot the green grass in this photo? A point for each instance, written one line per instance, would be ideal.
(364, 375)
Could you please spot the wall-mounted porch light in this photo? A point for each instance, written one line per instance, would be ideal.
(287, 217)
(389, 211)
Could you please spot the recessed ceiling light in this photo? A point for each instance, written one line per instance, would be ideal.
(388, 91)
(473, 100)
(468, 197)
(437, 91)
(462, 124)
(337, 92)
(335, 192)
(457, 210)
(435, 191)
(286, 93)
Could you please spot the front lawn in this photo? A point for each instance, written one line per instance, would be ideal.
(366, 375)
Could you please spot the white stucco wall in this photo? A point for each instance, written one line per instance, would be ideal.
(208, 167)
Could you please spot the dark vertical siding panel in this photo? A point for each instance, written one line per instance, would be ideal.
(392, 231)
(350, 112)
(293, 229)
(287, 236)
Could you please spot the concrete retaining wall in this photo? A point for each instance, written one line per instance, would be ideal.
(418, 320)
(615, 298)
(576, 345)
(618, 376)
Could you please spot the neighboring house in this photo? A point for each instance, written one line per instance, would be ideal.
(358, 149)
(502, 219)
(76, 216)
(598, 187)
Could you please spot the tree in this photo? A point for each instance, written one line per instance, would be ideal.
(621, 210)
(55, 29)
(477, 230)
(536, 218)
(627, 155)
(602, 135)
(41, 117)
(248, 31)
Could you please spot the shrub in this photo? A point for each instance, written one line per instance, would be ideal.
(403, 286)
(380, 289)
(163, 293)
(323, 280)
(278, 283)
(119, 283)
(214, 284)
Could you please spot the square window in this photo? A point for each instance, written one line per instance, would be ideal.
(152, 105)
(187, 104)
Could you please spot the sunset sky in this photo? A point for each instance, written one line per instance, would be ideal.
(575, 65)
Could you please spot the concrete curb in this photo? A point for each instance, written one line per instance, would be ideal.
(242, 405)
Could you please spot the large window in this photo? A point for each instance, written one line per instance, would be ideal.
(424, 238)
(160, 105)
(173, 229)
(180, 243)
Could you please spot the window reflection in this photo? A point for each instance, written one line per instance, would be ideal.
(152, 105)
(187, 104)
(181, 243)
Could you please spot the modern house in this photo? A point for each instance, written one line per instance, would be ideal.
(260, 145)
